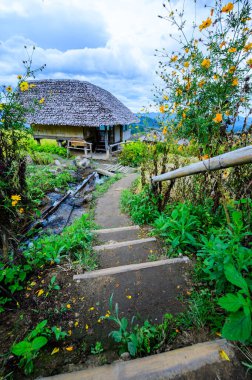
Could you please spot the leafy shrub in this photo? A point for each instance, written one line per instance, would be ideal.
(179, 229)
(47, 146)
(225, 247)
(41, 158)
(142, 206)
(133, 153)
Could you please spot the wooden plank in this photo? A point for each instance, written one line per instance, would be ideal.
(237, 157)
(121, 244)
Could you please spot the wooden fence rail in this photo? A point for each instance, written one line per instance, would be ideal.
(237, 157)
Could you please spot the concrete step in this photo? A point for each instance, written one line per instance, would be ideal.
(126, 252)
(119, 234)
(196, 362)
(148, 289)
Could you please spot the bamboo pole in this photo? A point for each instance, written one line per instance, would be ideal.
(237, 157)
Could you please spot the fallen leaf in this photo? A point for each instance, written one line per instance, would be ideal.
(91, 308)
(224, 355)
(40, 292)
(86, 327)
(129, 297)
(33, 283)
(69, 332)
(69, 348)
(55, 350)
(76, 324)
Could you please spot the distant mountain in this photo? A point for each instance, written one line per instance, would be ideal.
(146, 122)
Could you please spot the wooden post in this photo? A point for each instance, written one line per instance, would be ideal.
(106, 143)
(121, 133)
(237, 157)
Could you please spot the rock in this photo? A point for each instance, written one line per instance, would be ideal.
(87, 198)
(57, 163)
(82, 163)
(125, 356)
(77, 202)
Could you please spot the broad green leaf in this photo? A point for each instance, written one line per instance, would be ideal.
(237, 327)
(38, 342)
(21, 348)
(116, 335)
(132, 349)
(230, 302)
(235, 277)
(124, 323)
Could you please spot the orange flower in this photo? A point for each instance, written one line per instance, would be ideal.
(228, 8)
(232, 50)
(69, 348)
(235, 82)
(218, 118)
(232, 69)
(174, 58)
(162, 109)
(248, 46)
(184, 115)
(164, 131)
(206, 63)
(205, 24)
(201, 83)
(205, 157)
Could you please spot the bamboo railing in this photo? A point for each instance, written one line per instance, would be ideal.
(237, 157)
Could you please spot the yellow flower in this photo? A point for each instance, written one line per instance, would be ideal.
(91, 308)
(21, 210)
(99, 320)
(16, 198)
(165, 97)
(68, 306)
(13, 203)
(232, 50)
(41, 101)
(186, 64)
(206, 63)
(9, 89)
(19, 76)
(180, 148)
(187, 50)
(235, 82)
(179, 92)
(69, 348)
(215, 77)
(32, 85)
(248, 46)
(223, 43)
(129, 297)
(232, 69)
(228, 8)
(249, 62)
(86, 327)
(164, 131)
(205, 24)
(69, 332)
(184, 115)
(76, 324)
(218, 118)
(161, 109)
(24, 86)
(201, 83)
(174, 58)
(227, 112)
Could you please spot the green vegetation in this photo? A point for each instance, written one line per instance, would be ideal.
(138, 340)
(46, 146)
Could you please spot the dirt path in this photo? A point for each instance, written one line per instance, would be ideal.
(108, 212)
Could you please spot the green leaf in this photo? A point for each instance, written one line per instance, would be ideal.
(21, 348)
(237, 327)
(124, 324)
(132, 349)
(230, 302)
(235, 277)
(38, 342)
(116, 335)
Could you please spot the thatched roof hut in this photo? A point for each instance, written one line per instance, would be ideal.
(74, 109)
(75, 103)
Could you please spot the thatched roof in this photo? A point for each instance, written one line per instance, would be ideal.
(75, 103)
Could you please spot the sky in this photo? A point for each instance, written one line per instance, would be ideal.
(110, 43)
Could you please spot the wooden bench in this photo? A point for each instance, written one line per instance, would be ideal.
(83, 145)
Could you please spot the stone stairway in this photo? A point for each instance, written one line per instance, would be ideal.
(142, 287)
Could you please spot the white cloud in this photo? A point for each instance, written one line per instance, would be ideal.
(109, 43)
